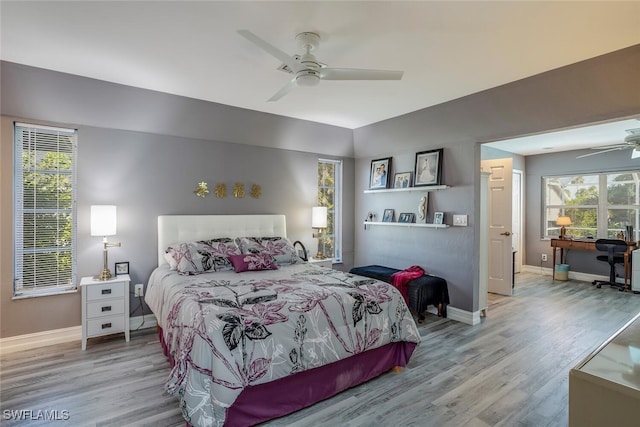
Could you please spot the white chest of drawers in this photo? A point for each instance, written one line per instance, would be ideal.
(105, 307)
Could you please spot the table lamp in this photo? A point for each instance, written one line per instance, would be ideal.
(103, 223)
(319, 222)
(563, 221)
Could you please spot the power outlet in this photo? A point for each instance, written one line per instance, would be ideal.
(139, 290)
(544, 257)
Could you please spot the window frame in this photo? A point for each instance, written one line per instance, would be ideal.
(336, 212)
(602, 206)
(42, 140)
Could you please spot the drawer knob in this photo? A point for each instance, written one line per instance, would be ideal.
(106, 291)
(106, 308)
(106, 325)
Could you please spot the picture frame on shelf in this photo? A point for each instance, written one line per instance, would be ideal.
(402, 180)
(388, 215)
(121, 268)
(406, 217)
(438, 218)
(379, 174)
(428, 168)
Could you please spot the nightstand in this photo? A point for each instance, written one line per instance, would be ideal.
(105, 307)
(326, 262)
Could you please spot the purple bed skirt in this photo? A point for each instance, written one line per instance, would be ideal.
(283, 396)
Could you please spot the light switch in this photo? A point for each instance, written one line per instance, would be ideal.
(460, 220)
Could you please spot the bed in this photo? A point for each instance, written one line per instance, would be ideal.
(250, 346)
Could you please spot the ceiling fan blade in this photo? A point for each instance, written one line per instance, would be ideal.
(356, 74)
(271, 49)
(285, 90)
(603, 151)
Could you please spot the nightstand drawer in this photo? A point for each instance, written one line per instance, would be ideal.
(105, 326)
(105, 308)
(105, 291)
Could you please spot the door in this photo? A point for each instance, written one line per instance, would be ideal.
(500, 223)
(516, 218)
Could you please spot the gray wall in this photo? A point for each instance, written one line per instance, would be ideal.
(115, 118)
(565, 164)
(147, 169)
(599, 89)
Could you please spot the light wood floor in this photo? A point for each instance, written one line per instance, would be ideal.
(510, 370)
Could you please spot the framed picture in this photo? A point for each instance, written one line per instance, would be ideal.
(428, 168)
(406, 217)
(438, 217)
(402, 180)
(379, 176)
(388, 215)
(121, 268)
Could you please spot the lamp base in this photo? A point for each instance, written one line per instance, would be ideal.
(105, 274)
(320, 255)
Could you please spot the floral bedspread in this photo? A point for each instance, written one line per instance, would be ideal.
(228, 330)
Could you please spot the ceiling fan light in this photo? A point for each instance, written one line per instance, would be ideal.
(307, 78)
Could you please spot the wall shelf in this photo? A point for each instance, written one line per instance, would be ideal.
(406, 224)
(409, 189)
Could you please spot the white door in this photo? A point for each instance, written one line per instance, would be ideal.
(500, 218)
(516, 218)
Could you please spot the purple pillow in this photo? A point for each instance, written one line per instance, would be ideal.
(252, 262)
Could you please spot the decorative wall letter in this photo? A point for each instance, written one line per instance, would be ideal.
(238, 190)
(202, 190)
(256, 191)
(221, 191)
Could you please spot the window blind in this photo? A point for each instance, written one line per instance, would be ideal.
(330, 195)
(44, 210)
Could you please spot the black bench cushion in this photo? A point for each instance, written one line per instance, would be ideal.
(422, 291)
(375, 272)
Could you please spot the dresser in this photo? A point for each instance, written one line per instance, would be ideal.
(105, 307)
(604, 389)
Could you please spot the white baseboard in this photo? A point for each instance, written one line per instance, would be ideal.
(573, 275)
(40, 339)
(59, 336)
(463, 316)
(138, 322)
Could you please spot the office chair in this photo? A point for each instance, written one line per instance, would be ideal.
(615, 250)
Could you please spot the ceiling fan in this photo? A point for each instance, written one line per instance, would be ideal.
(307, 70)
(632, 141)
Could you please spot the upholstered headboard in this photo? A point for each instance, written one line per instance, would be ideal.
(174, 229)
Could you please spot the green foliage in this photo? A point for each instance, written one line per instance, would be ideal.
(47, 216)
(581, 201)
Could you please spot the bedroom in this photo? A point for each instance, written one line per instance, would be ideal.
(145, 151)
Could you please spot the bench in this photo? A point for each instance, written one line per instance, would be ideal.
(422, 291)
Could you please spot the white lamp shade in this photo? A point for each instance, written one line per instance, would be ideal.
(319, 217)
(563, 220)
(103, 220)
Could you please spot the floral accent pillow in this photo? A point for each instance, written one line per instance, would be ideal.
(221, 249)
(252, 262)
(192, 258)
(280, 248)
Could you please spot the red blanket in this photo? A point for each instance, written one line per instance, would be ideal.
(402, 278)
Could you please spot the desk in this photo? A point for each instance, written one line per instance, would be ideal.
(586, 245)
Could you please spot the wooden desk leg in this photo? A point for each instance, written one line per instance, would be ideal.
(553, 267)
(626, 269)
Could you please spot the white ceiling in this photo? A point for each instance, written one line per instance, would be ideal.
(598, 135)
(447, 49)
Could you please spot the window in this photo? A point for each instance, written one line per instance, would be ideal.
(44, 210)
(599, 205)
(330, 195)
